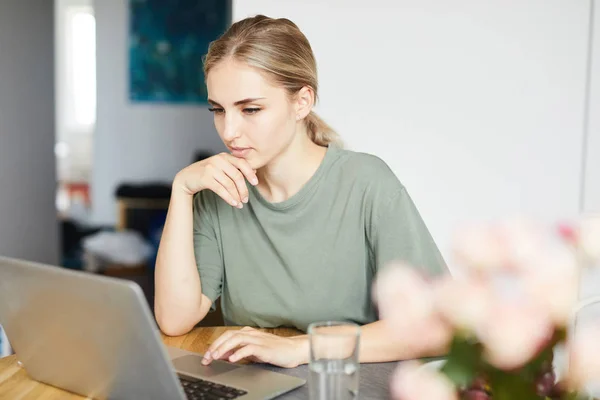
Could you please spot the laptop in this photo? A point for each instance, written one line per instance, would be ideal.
(96, 336)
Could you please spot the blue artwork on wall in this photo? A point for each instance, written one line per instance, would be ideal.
(167, 40)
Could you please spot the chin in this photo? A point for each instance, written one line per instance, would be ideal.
(255, 162)
(259, 160)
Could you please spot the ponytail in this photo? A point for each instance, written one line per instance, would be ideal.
(320, 132)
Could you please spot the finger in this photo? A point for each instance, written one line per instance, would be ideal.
(207, 361)
(241, 339)
(245, 168)
(227, 355)
(223, 357)
(226, 182)
(254, 352)
(238, 178)
(223, 193)
(224, 337)
(247, 332)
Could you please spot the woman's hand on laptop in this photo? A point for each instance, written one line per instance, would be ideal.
(257, 346)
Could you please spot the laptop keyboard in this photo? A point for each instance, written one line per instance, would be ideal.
(198, 389)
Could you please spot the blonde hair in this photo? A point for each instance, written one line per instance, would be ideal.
(279, 49)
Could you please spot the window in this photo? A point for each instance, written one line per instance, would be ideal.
(80, 68)
(75, 77)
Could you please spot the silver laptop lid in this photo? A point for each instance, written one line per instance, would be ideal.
(85, 333)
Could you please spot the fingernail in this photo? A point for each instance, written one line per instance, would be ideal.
(232, 359)
(240, 206)
(234, 203)
(207, 355)
(215, 355)
(254, 181)
(245, 200)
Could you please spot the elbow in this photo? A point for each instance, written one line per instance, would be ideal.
(172, 328)
(176, 320)
(174, 331)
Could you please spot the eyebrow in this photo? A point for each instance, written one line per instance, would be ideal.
(237, 103)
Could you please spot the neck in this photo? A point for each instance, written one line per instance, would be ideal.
(285, 175)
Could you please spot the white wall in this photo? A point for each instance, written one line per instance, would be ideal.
(28, 223)
(136, 142)
(592, 171)
(476, 105)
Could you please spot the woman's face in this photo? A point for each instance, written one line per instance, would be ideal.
(255, 119)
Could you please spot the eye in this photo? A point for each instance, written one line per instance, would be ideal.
(216, 110)
(251, 111)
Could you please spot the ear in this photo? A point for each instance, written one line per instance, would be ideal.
(305, 100)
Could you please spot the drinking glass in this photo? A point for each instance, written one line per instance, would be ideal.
(333, 365)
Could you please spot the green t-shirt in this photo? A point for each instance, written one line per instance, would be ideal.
(312, 257)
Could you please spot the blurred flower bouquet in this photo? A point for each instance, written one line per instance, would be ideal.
(502, 318)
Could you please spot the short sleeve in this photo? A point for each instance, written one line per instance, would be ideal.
(207, 253)
(398, 233)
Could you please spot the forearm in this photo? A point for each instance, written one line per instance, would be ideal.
(178, 294)
(378, 343)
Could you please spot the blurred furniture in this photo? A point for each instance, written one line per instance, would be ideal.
(72, 234)
(133, 213)
(142, 207)
(141, 204)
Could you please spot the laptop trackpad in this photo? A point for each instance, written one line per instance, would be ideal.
(193, 364)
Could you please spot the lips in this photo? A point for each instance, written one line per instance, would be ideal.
(239, 151)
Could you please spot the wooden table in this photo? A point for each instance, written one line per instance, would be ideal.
(16, 384)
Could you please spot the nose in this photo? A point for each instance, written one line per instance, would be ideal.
(231, 127)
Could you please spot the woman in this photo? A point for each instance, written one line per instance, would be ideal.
(288, 228)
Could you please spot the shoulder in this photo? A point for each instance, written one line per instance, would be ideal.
(367, 171)
(205, 199)
(205, 204)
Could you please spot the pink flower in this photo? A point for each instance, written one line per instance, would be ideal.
(426, 337)
(568, 233)
(464, 303)
(523, 241)
(507, 246)
(479, 249)
(406, 305)
(584, 365)
(413, 382)
(514, 335)
(403, 297)
(552, 284)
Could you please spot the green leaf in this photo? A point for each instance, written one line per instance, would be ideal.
(511, 386)
(545, 357)
(533, 368)
(463, 361)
